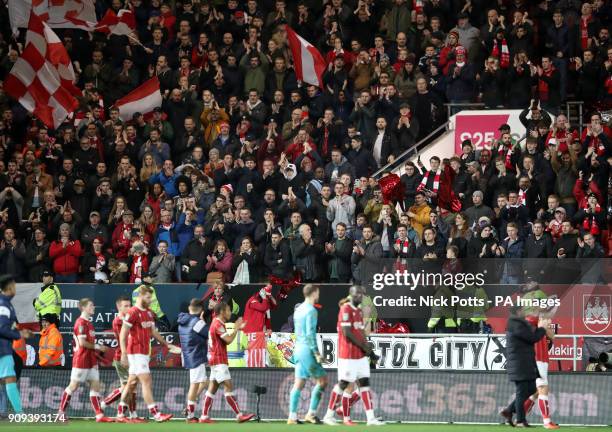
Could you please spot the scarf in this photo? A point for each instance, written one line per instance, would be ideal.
(508, 156)
(252, 106)
(584, 32)
(543, 85)
(589, 224)
(418, 5)
(436, 182)
(404, 245)
(504, 55)
(100, 260)
(521, 196)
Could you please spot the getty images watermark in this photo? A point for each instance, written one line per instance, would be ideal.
(458, 296)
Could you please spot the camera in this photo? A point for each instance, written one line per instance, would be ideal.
(259, 390)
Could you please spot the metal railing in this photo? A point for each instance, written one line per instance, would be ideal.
(580, 106)
(412, 150)
(468, 105)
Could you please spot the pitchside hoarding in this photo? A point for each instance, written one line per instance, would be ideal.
(423, 396)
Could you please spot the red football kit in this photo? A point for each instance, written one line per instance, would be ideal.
(217, 348)
(117, 324)
(541, 346)
(352, 317)
(84, 358)
(140, 321)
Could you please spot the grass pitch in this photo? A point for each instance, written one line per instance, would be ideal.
(226, 426)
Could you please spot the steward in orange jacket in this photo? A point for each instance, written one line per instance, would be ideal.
(51, 346)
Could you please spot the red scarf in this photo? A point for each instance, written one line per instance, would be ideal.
(508, 157)
(436, 183)
(100, 260)
(584, 32)
(589, 224)
(417, 5)
(404, 245)
(543, 86)
(504, 56)
(521, 197)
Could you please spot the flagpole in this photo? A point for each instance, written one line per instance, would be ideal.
(135, 40)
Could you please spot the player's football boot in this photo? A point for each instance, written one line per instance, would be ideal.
(293, 422)
(104, 419)
(507, 415)
(551, 425)
(138, 420)
(163, 418)
(245, 417)
(206, 420)
(375, 422)
(191, 420)
(348, 423)
(330, 420)
(312, 419)
(123, 419)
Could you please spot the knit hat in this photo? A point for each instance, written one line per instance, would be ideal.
(460, 50)
(228, 187)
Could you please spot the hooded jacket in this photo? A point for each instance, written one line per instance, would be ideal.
(193, 334)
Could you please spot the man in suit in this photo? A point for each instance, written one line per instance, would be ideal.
(521, 337)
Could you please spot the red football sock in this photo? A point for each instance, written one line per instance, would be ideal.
(354, 397)
(121, 409)
(94, 398)
(231, 401)
(113, 396)
(65, 400)
(346, 406)
(153, 410)
(366, 397)
(528, 405)
(208, 400)
(190, 408)
(132, 403)
(543, 404)
(333, 399)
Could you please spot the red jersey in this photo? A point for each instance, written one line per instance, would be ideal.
(117, 324)
(83, 358)
(217, 348)
(140, 321)
(352, 317)
(541, 346)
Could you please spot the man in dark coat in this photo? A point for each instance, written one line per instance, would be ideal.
(521, 364)
(194, 256)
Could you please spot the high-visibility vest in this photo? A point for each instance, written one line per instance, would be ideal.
(49, 301)
(51, 347)
(236, 350)
(19, 346)
(154, 306)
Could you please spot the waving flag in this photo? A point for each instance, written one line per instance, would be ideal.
(143, 99)
(77, 14)
(42, 78)
(307, 60)
(121, 23)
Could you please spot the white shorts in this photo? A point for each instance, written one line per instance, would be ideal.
(198, 374)
(84, 375)
(220, 373)
(543, 371)
(350, 370)
(139, 364)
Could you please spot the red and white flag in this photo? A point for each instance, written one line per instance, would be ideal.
(143, 99)
(308, 62)
(120, 23)
(77, 14)
(42, 78)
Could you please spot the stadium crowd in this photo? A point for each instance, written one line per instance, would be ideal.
(246, 172)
